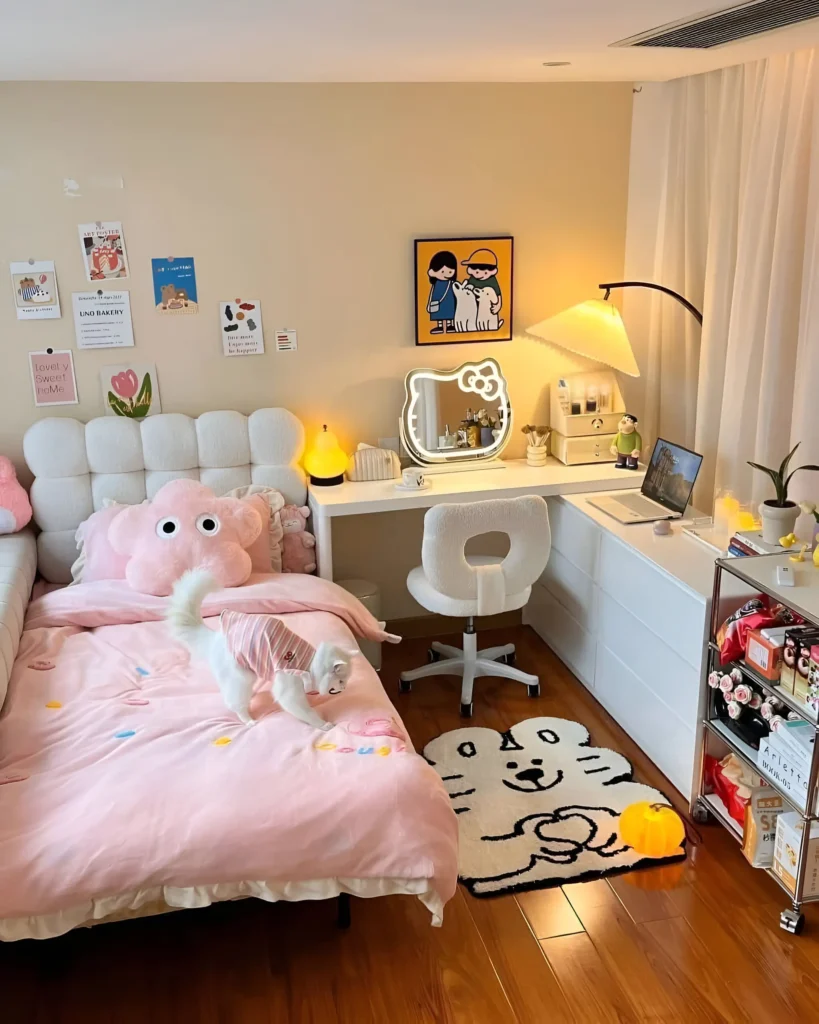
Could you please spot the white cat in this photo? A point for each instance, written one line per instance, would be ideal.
(249, 648)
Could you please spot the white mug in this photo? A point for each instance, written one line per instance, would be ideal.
(412, 477)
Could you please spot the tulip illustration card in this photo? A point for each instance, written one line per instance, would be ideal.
(103, 319)
(35, 290)
(103, 250)
(241, 321)
(130, 389)
(174, 285)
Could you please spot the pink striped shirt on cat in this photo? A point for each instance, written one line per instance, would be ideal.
(264, 645)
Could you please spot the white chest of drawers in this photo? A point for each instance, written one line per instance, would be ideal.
(627, 610)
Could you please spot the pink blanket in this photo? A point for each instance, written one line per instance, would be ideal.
(121, 769)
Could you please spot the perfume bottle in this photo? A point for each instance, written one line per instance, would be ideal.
(592, 402)
(604, 403)
(578, 399)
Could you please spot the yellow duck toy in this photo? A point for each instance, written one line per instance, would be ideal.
(788, 541)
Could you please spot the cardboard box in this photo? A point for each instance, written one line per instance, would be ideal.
(764, 653)
(789, 836)
(796, 739)
(788, 773)
(798, 642)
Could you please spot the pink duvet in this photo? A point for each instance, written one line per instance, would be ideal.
(121, 769)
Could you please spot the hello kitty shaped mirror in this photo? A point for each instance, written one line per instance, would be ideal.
(458, 416)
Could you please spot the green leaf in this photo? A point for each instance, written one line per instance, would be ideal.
(145, 395)
(777, 480)
(799, 469)
(117, 404)
(784, 467)
(140, 411)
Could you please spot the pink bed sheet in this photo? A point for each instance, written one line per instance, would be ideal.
(121, 769)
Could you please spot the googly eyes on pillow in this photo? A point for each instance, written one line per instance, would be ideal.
(208, 525)
(167, 527)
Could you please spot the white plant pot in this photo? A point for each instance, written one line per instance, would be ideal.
(536, 455)
(777, 522)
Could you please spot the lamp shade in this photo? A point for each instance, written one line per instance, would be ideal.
(593, 329)
(324, 460)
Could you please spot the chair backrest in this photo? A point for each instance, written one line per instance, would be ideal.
(447, 528)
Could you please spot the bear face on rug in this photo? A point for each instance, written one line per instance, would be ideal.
(537, 805)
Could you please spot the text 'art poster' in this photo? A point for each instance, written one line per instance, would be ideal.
(103, 250)
(52, 378)
(175, 285)
(103, 319)
(35, 290)
(241, 322)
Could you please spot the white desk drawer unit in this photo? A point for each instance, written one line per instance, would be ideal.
(626, 610)
(572, 589)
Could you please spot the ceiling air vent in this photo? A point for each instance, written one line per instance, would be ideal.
(716, 28)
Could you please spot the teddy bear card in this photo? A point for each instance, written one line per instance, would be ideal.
(174, 285)
(35, 290)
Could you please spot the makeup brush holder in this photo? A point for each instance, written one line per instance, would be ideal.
(536, 455)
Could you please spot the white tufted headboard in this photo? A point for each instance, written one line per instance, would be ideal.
(77, 465)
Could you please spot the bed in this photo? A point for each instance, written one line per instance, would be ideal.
(126, 787)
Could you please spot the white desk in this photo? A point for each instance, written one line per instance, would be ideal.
(628, 612)
(355, 499)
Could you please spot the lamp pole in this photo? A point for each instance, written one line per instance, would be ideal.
(692, 309)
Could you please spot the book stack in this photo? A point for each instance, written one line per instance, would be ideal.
(750, 542)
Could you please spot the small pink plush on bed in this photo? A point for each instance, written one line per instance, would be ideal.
(298, 544)
(185, 527)
(15, 508)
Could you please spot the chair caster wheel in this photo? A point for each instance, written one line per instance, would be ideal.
(404, 686)
(507, 659)
(433, 655)
(533, 690)
(700, 815)
(466, 710)
(791, 922)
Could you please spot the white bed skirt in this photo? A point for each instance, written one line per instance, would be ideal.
(160, 899)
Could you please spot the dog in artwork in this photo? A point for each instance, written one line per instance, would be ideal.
(250, 650)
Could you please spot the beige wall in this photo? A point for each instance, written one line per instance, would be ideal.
(309, 197)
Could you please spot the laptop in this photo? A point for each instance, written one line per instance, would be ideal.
(666, 491)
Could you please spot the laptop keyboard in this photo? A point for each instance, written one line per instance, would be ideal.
(642, 506)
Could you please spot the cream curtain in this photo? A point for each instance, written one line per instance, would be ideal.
(736, 230)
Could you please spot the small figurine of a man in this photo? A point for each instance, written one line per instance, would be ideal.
(627, 443)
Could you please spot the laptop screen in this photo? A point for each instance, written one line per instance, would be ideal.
(671, 475)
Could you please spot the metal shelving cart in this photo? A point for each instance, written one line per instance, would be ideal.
(758, 573)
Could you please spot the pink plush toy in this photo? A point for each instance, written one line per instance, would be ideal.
(15, 508)
(297, 543)
(185, 527)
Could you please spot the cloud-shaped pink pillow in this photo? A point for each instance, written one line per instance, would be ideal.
(185, 527)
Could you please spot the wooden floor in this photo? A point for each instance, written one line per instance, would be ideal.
(706, 947)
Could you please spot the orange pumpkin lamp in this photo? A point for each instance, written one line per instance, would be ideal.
(654, 830)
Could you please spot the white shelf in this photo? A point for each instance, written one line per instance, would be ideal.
(760, 572)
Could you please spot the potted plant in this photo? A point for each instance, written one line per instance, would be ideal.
(779, 515)
(810, 509)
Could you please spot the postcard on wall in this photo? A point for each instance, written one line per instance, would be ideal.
(103, 251)
(463, 290)
(35, 290)
(103, 319)
(286, 340)
(130, 389)
(175, 285)
(52, 377)
(241, 321)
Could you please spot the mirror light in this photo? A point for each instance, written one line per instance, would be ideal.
(485, 381)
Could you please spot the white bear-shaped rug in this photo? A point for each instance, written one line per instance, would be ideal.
(537, 805)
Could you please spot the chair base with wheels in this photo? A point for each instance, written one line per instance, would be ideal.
(450, 582)
(472, 664)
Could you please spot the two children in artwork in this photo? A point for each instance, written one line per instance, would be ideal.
(460, 307)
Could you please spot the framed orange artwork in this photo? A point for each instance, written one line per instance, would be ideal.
(463, 290)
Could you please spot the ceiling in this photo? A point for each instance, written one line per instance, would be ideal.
(357, 40)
